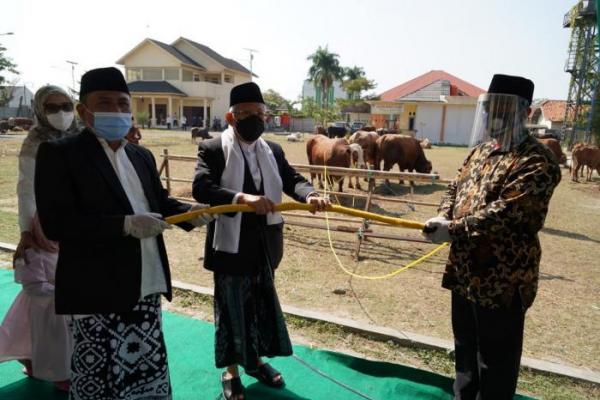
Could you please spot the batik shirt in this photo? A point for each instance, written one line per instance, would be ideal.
(497, 204)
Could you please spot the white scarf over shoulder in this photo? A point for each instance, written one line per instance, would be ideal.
(227, 229)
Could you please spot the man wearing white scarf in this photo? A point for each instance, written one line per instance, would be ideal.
(243, 250)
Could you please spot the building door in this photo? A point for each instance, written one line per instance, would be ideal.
(411, 123)
(194, 115)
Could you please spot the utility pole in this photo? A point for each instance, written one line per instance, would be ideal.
(251, 51)
(73, 64)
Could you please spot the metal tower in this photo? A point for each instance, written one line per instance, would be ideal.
(582, 64)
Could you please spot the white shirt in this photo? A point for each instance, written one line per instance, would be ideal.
(153, 277)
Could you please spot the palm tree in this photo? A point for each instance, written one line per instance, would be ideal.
(352, 73)
(325, 69)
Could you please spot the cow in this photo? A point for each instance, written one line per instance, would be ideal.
(357, 160)
(319, 130)
(294, 137)
(369, 128)
(403, 150)
(425, 143)
(321, 150)
(368, 142)
(336, 132)
(554, 146)
(585, 156)
(199, 133)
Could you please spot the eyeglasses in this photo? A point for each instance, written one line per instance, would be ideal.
(51, 108)
(246, 113)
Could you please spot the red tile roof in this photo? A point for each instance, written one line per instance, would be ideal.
(554, 110)
(427, 79)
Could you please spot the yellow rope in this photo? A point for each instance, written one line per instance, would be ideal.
(233, 208)
(379, 218)
(289, 206)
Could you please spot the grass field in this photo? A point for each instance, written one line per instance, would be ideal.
(562, 325)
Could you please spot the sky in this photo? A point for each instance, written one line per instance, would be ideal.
(393, 40)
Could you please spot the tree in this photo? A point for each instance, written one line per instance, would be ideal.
(321, 115)
(355, 82)
(6, 64)
(325, 69)
(275, 101)
(143, 118)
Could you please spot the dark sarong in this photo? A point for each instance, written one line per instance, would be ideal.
(249, 322)
(121, 356)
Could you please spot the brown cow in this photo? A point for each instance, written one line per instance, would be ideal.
(403, 150)
(425, 143)
(369, 128)
(319, 130)
(368, 142)
(322, 150)
(554, 146)
(585, 156)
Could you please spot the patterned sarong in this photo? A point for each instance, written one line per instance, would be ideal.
(249, 321)
(121, 356)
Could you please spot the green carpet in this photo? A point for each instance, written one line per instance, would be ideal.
(193, 375)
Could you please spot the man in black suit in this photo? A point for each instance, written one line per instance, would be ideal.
(101, 199)
(243, 250)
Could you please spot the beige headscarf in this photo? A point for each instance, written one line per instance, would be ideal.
(43, 131)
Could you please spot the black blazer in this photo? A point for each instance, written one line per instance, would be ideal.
(82, 205)
(259, 242)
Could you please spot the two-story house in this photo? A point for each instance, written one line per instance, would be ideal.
(181, 78)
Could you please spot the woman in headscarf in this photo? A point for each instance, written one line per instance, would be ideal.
(31, 331)
(55, 119)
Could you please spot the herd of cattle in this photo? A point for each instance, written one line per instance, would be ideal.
(585, 155)
(366, 149)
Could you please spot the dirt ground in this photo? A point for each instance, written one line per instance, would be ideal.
(562, 325)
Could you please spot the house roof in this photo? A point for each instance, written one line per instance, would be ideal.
(178, 54)
(226, 62)
(424, 80)
(554, 110)
(168, 48)
(153, 87)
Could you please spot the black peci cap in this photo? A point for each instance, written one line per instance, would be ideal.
(245, 93)
(516, 85)
(102, 79)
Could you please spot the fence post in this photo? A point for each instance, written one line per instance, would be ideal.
(167, 172)
(365, 224)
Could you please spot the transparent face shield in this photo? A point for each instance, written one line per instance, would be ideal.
(499, 118)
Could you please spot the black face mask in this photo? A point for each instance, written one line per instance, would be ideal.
(250, 128)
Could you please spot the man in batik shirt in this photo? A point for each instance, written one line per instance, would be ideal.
(491, 213)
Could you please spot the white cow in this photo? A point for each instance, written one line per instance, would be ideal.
(357, 160)
(294, 137)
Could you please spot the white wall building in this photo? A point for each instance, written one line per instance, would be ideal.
(310, 90)
(436, 105)
(181, 78)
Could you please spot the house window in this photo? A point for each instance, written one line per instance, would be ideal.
(228, 78)
(152, 74)
(171, 74)
(196, 78)
(134, 74)
(213, 79)
(187, 75)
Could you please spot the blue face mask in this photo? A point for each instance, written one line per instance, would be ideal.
(112, 126)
